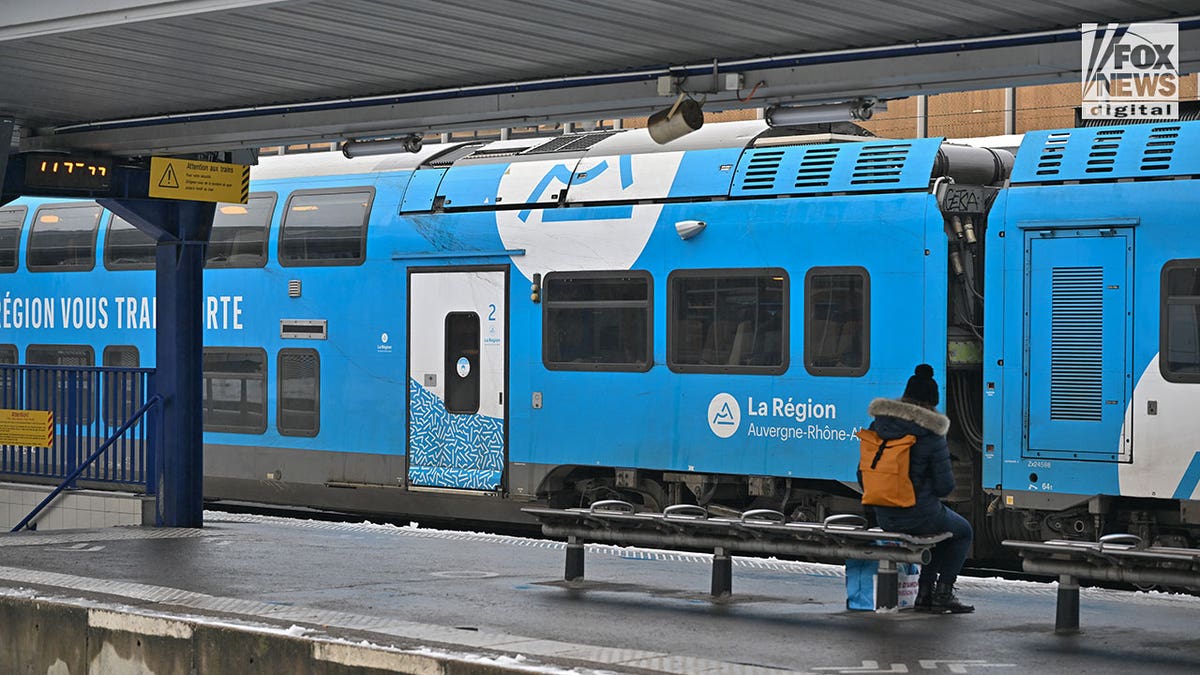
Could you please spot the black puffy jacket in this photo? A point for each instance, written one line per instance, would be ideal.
(929, 459)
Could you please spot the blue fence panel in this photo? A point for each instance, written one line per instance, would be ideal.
(92, 406)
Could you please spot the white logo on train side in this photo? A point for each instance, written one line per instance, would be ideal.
(778, 418)
(609, 238)
(724, 415)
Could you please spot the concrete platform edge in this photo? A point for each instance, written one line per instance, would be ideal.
(56, 635)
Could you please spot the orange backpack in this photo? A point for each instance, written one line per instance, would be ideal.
(883, 470)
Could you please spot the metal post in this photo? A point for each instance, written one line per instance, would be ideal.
(181, 229)
(1066, 618)
(6, 136)
(574, 559)
(179, 362)
(74, 415)
(722, 576)
(1010, 110)
(922, 116)
(887, 585)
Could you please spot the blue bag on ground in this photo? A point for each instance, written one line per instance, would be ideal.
(861, 576)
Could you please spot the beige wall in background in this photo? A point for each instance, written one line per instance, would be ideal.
(981, 113)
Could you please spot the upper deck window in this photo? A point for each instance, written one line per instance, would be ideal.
(126, 247)
(63, 238)
(10, 237)
(325, 227)
(239, 233)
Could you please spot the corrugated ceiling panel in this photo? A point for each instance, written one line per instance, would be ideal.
(282, 52)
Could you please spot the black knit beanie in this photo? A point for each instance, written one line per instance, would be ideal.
(921, 387)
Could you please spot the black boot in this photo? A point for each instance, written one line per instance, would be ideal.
(945, 602)
(924, 601)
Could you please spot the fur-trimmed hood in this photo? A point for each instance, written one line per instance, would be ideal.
(929, 419)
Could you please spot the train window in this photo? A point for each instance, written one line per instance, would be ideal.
(325, 227)
(728, 321)
(239, 233)
(299, 396)
(8, 377)
(1179, 334)
(63, 238)
(461, 363)
(126, 247)
(122, 391)
(63, 391)
(836, 325)
(10, 237)
(235, 389)
(597, 321)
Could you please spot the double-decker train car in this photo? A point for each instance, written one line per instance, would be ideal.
(458, 332)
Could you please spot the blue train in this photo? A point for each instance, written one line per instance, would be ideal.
(456, 333)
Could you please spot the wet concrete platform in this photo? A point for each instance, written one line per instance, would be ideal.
(426, 600)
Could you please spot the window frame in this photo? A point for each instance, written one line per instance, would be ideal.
(91, 264)
(335, 262)
(129, 395)
(266, 242)
(729, 273)
(549, 304)
(838, 371)
(260, 428)
(1164, 305)
(24, 213)
(114, 266)
(90, 384)
(279, 356)
(9, 395)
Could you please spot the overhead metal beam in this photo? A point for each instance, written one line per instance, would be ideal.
(884, 73)
(33, 19)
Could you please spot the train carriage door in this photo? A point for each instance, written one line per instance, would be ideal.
(1077, 343)
(457, 356)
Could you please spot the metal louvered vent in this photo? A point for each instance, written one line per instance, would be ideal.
(494, 153)
(451, 156)
(1104, 151)
(760, 172)
(1076, 343)
(312, 329)
(880, 164)
(571, 143)
(816, 166)
(1159, 149)
(1050, 163)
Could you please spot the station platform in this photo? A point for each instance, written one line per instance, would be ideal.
(251, 594)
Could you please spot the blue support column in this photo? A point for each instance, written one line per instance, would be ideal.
(182, 230)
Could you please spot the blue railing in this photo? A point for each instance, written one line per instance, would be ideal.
(105, 425)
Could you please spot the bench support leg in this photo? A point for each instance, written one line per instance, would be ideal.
(887, 586)
(722, 576)
(574, 570)
(1066, 619)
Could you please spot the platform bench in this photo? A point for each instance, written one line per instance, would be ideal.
(760, 531)
(1116, 557)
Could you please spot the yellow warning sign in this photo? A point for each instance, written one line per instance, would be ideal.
(199, 181)
(27, 427)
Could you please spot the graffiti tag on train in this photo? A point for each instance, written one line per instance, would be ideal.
(221, 312)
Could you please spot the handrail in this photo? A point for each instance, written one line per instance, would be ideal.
(150, 403)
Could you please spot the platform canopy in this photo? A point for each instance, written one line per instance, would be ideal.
(135, 77)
